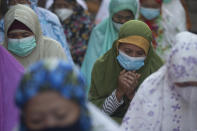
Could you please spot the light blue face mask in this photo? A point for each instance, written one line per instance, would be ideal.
(22, 47)
(117, 26)
(130, 63)
(150, 13)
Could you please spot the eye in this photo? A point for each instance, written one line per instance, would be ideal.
(26, 34)
(140, 53)
(128, 51)
(11, 35)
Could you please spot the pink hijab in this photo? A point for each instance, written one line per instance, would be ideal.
(10, 73)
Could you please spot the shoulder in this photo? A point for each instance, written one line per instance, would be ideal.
(101, 121)
(50, 16)
(101, 27)
(152, 85)
(51, 43)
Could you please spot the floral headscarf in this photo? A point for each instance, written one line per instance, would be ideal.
(57, 76)
(78, 28)
(159, 104)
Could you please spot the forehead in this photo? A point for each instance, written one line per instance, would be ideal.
(149, 3)
(45, 100)
(124, 13)
(19, 31)
(20, 1)
(60, 2)
(130, 46)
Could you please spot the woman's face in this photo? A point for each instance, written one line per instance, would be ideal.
(19, 34)
(58, 4)
(150, 4)
(132, 50)
(123, 16)
(49, 109)
(14, 2)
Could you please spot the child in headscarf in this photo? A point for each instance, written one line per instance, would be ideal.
(105, 33)
(24, 37)
(117, 75)
(10, 73)
(51, 97)
(166, 100)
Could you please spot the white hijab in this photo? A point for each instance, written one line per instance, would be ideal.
(161, 106)
(45, 47)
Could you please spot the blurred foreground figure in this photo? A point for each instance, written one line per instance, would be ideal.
(24, 37)
(10, 73)
(167, 101)
(51, 97)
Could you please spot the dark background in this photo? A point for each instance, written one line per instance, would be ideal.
(192, 7)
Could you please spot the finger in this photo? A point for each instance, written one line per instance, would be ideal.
(138, 75)
(131, 73)
(130, 77)
(122, 72)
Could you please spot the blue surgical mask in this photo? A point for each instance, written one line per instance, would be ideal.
(22, 47)
(117, 26)
(130, 63)
(150, 13)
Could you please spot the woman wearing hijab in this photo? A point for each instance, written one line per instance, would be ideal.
(105, 33)
(11, 72)
(166, 100)
(118, 73)
(50, 24)
(51, 97)
(77, 26)
(24, 37)
(166, 19)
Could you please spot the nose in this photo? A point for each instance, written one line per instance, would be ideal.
(133, 54)
(123, 21)
(19, 37)
(50, 122)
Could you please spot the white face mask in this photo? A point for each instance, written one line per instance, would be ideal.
(11, 6)
(63, 13)
(117, 26)
(187, 93)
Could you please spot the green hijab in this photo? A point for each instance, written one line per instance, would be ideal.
(103, 36)
(107, 69)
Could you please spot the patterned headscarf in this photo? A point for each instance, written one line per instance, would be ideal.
(156, 27)
(57, 76)
(159, 104)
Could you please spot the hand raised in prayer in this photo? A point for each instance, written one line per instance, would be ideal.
(127, 83)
